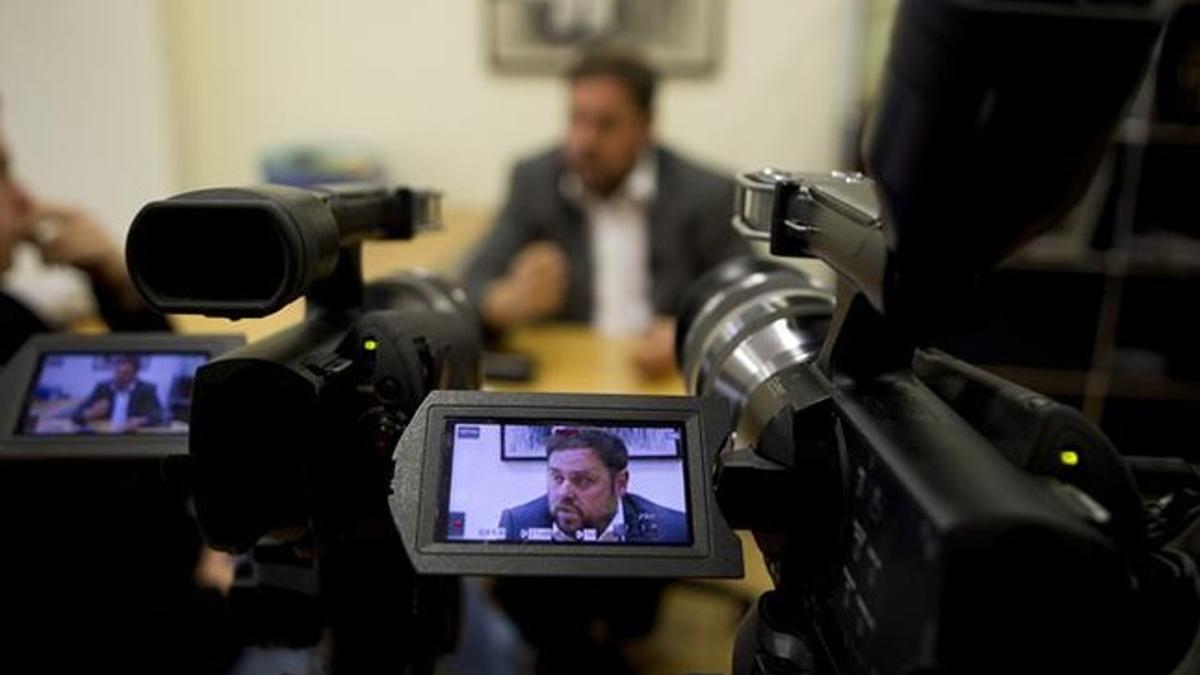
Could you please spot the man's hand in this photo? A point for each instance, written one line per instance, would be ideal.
(534, 288)
(215, 570)
(98, 410)
(68, 236)
(654, 354)
(131, 425)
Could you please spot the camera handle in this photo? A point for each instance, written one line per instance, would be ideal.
(342, 290)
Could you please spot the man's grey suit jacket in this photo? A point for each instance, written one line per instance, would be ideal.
(689, 225)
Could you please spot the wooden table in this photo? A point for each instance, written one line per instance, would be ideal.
(571, 358)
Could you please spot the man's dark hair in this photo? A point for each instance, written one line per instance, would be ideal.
(639, 77)
(609, 449)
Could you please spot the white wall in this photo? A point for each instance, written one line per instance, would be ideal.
(411, 77)
(84, 107)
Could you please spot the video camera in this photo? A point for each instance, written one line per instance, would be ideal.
(291, 436)
(919, 514)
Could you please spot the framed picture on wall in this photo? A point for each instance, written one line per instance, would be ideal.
(680, 37)
(528, 442)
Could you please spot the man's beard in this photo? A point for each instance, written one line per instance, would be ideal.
(595, 179)
(603, 185)
(571, 513)
(569, 518)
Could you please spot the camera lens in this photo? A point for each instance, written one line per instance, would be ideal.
(743, 325)
(419, 289)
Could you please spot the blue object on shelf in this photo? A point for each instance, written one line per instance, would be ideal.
(320, 163)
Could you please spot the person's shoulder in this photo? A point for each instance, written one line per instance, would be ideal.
(644, 505)
(692, 174)
(533, 510)
(657, 521)
(19, 322)
(545, 163)
(16, 312)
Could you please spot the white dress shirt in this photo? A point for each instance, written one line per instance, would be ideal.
(120, 407)
(618, 234)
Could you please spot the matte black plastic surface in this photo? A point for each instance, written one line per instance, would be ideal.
(233, 252)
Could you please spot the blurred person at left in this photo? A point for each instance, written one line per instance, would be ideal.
(104, 566)
(63, 235)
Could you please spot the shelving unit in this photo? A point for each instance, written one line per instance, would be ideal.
(1102, 312)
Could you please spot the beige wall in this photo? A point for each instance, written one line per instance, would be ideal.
(83, 85)
(85, 111)
(411, 78)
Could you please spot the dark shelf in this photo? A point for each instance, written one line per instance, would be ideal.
(1152, 254)
(1073, 383)
(1048, 381)
(1098, 313)
(1138, 131)
(1154, 388)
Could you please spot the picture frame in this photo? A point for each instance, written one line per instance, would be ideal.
(682, 38)
(528, 442)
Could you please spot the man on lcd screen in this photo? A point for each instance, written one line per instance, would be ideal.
(124, 402)
(587, 498)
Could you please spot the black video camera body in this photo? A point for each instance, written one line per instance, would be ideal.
(919, 514)
(291, 436)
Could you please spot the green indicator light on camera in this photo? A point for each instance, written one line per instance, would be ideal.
(370, 345)
(1069, 457)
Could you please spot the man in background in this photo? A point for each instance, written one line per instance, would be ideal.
(64, 236)
(124, 402)
(610, 227)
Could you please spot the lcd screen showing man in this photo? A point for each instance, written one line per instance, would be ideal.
(110, 393)
(570, 484)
